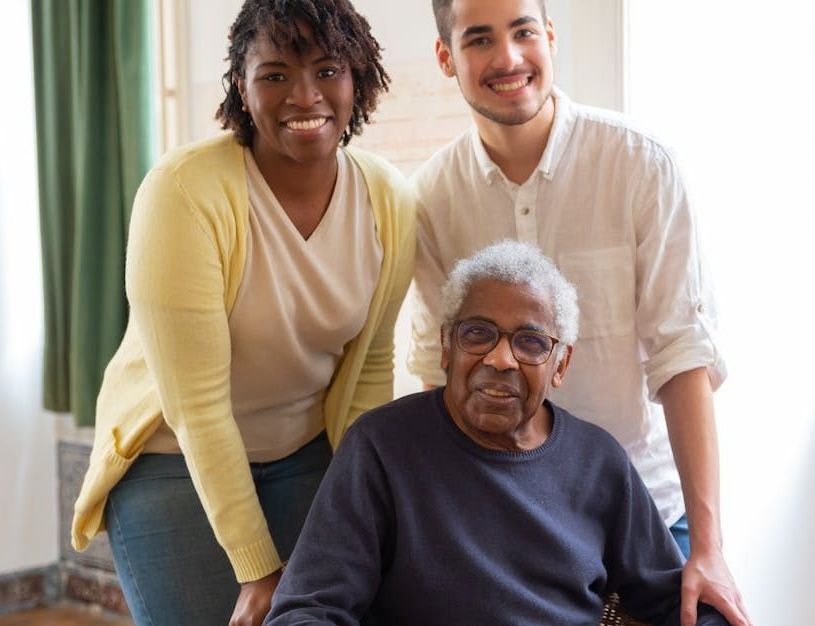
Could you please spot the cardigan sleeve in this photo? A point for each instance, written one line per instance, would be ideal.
(364, 378)
(375, 385)
(176, 275)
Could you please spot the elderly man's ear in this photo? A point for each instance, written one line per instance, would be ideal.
(560, 371)
(445, 348)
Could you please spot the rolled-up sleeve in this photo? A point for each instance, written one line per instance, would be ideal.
(675, 308)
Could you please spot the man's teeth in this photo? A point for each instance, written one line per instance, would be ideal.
(510, 86)
(495, 393)
(306, 124)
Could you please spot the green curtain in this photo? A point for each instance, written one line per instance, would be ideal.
(95, 140)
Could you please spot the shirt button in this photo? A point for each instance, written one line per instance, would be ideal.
(525, 210)
(700, 308)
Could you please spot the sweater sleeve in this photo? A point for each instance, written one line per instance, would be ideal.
(175, 284)
(334, 572)
(643, 562)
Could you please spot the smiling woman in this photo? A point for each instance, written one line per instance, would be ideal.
(265, 272)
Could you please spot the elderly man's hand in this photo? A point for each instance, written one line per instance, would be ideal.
(706, 578)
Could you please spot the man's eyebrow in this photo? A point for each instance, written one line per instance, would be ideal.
(476, 30)
(524, 19)
(479, 318)
(484, 318)
(535, 328)
(483, 29)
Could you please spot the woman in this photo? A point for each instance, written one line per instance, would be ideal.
(265, 271)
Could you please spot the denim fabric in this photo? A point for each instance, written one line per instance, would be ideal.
(172, 570)
(682, 535)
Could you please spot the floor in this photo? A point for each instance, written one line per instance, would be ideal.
(62, 616)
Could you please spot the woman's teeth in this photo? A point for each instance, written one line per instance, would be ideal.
(306, 124)
(510, 86)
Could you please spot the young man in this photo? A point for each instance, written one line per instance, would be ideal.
(606, 202)
(483, 503)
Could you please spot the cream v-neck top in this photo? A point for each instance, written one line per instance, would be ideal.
(300, 301)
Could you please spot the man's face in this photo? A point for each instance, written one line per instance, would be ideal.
(494, 399)
(501, 53)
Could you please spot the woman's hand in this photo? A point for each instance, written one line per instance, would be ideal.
(255, 600)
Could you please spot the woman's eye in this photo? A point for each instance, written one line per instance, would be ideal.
(328, 72)
(274, 78)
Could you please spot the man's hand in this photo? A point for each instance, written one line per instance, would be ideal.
(707, 579)
(255, 600)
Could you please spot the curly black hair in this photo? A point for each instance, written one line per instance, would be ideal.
(338, 30)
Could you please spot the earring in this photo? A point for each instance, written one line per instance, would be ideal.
(244, 108)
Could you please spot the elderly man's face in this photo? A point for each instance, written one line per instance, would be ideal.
(494, 399)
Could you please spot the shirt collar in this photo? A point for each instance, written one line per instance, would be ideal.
(562, 128)
(488, 168)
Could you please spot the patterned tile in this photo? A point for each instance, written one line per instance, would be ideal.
(99, 591)
(73, 462)
(24, 590)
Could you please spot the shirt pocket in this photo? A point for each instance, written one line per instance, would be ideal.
(605, 285)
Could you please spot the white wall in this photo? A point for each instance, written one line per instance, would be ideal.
(28, 477)
(731, 85)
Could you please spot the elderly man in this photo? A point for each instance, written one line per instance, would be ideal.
(482, 502)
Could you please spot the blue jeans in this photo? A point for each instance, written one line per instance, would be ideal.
(682, 535)
(173, 571)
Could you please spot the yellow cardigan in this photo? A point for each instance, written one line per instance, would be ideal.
(185, 260)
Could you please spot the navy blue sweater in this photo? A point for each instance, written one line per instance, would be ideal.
(415, 524)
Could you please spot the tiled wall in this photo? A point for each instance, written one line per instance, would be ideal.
(88, 576)
(24, 590)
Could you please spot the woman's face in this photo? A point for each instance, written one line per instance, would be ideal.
(300, 104)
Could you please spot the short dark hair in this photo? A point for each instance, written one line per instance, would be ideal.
(443, 11)
(338, 30)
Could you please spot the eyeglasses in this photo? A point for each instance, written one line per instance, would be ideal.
(480, 337)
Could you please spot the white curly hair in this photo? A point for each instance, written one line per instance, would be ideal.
(515, 263)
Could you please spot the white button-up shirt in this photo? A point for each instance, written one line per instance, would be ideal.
(607, 204)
